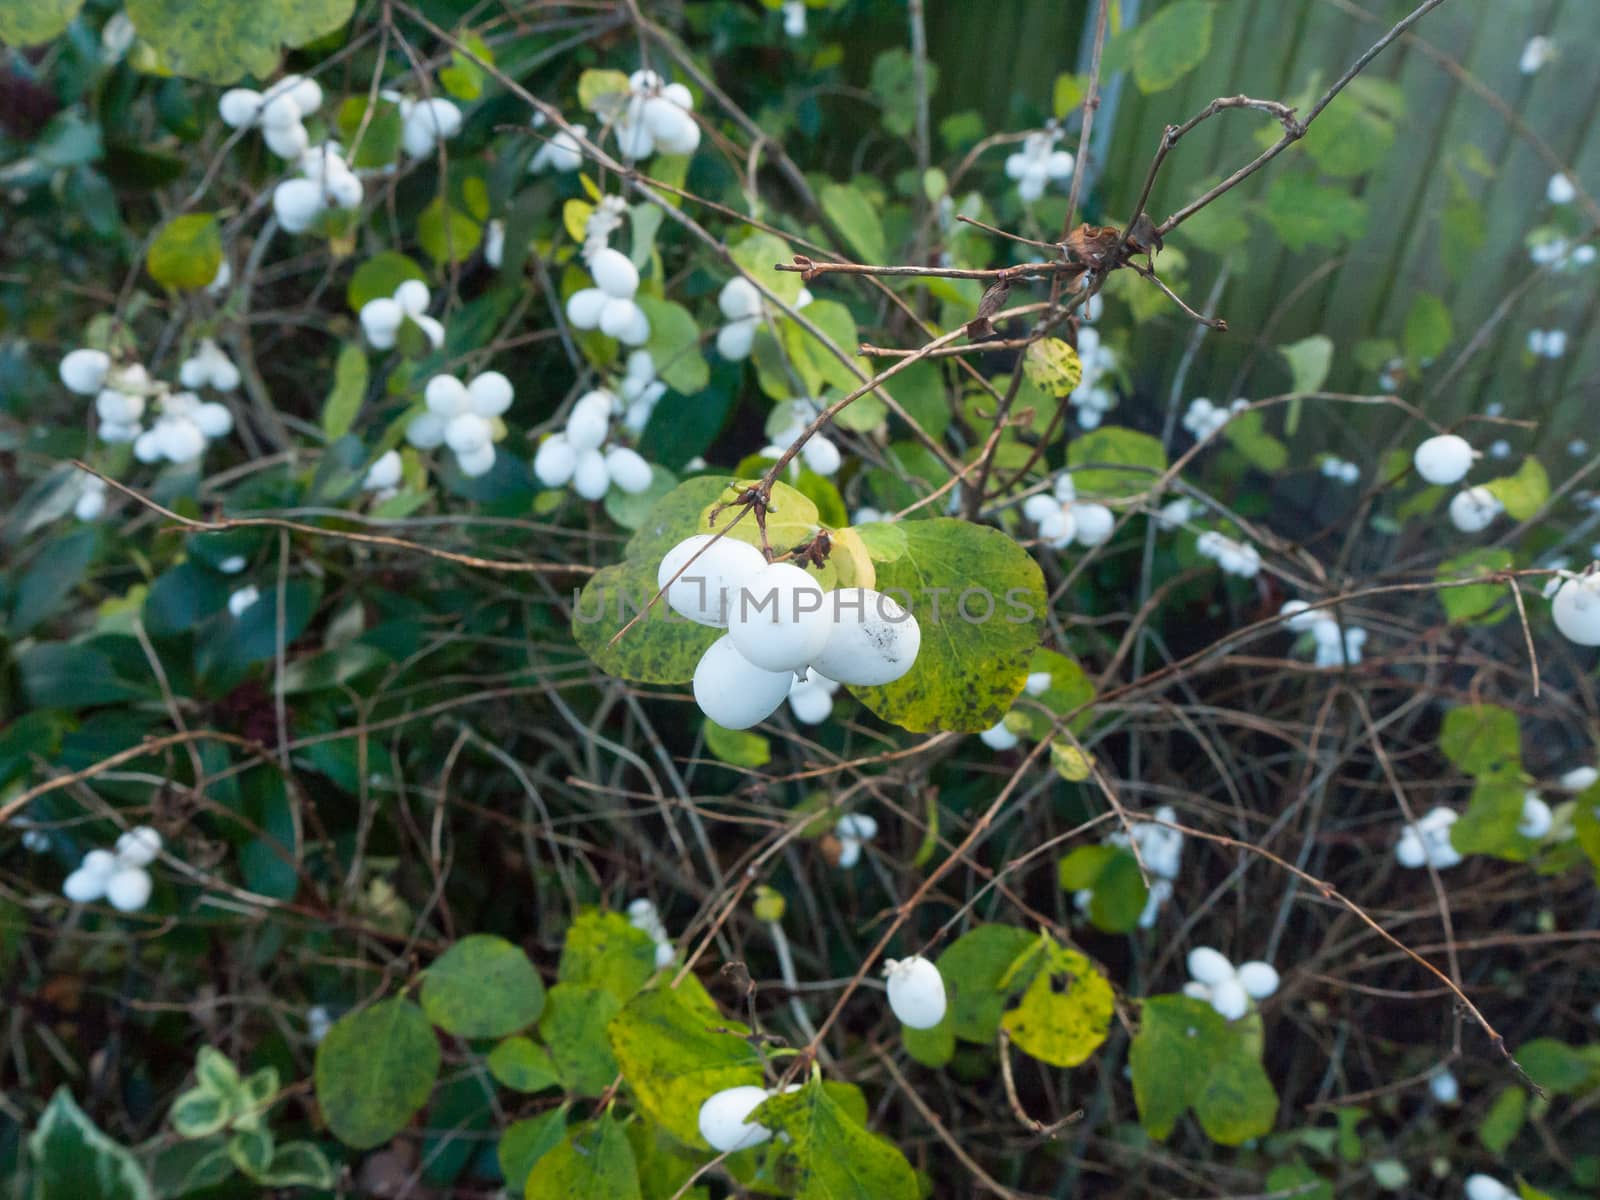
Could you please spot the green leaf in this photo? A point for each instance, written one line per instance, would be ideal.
(1586, 824)
(524, 1143)
(1489, 826)
(523, 1065)
(1304, 213)
(1065, 1012)
(1171, 43)
(186, 252)
(251, 1151)
(73, 1160)
(343, 404)
(856, 219)
(594, 1160)
(330, 668)
(737, 747)
(380, 138)
(482, 987)
(758, 254)
(1247, 432)
(1481, 603)
(181, 598)
(979, 600)
(819, 367)
(374, 1070)
(676, 1050)
(379, 276)
(221, 40)
(35, 22)
(1186, 1055)
(1428, 328)
(464, 78)
(1482, 739)
(447, 234)
(298, 1164)
(674, 345)
(603, 950)
(831, 1155)
(972, 967)
(1053, 367)
(1113, 461)
(574, 1027)
(662, 647)
(1111, 874)
(199, 1112)
(1524, 493)
(596, 89)
(1069, 92)
(1309, 360)
(1558, 1067)
(894, 81)
(1504, 1120)
(51, 577)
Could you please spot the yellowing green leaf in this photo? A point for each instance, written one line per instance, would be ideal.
(1113, 461)
(1186, 1056)
(33, 22)
(220, 41)
(186, 252)
(1524, 493)
(1053, 367)
(831, 1155)
(1065, 1011)
(594, 1160)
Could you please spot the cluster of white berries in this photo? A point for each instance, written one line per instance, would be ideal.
(1536, 818)
(1160, 850)
(1575, 606)
(1536, 53)
(639, 390)
(1094, 397)
(382, 317)
(780, 624)
(383, 476)
(1204, 419)
(1227, 988)
(325, 182)
(787, 424)
(1063, 519)
(425, 123)
(1039, 164)
(998, 736)
(601, 223)
(1336, 645)
(278, 112)
(745, 309)
(561, 152)
(794, 18)
(1340, 469)
(580, 455)
(652, 115)
(91, 501)
(185, 424)
(118, 876)
(1234, 556)
(1561, 189)
(1426, 842)
(854, 831)
(465, 417)
(209, 366)
(1549, 248)
(609, 305)
(1445, 460)
(1547, 343)
(642, 915)
(34, 839)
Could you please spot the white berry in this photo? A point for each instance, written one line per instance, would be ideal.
(732, 691)
(873, 640)
(916, 992)
(711, 583)
(781, 620)
(1444, 459)
(723, 1123)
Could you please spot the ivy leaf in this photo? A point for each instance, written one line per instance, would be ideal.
(1186, 1055)
(595, 1159)
(979, 600)
(482, 986)
(831, 1155)
(676, 1050)
(374, 1070)
(1114, 461)
(856, 218)
(219, 41)
(186, 252)
(1171, 43)
(73, 1160)
(1065, 1011)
